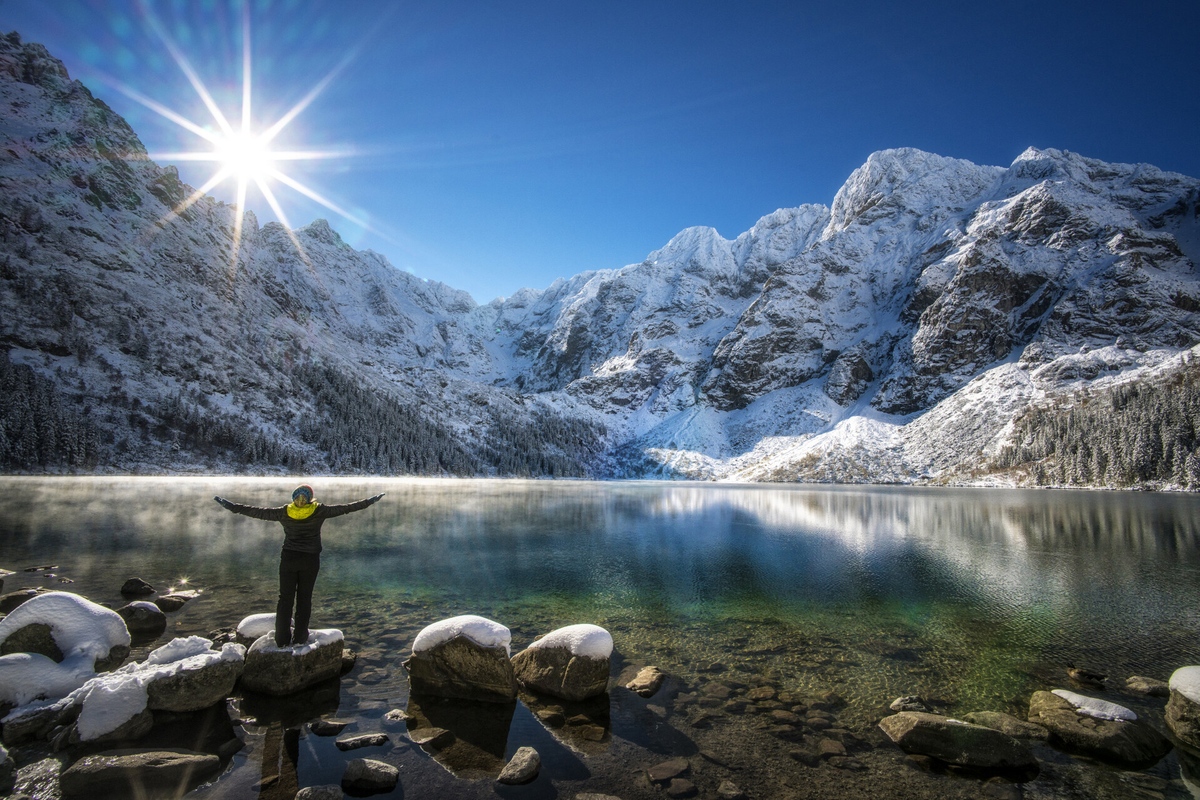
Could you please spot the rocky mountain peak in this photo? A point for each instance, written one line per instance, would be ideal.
(910, 182)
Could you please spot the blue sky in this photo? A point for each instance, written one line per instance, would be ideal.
(499, 145)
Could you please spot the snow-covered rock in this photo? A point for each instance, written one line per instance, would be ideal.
(1183, 709)
(465, 657)
(571, 662)
(77, 628)
(255, 626)
(182, 675)
(1120, 741)
(274, 670)
(1094, 707)
(480, 630)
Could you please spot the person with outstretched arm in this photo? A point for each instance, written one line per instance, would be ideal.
(300, 559)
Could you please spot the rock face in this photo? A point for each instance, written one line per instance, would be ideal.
(1183, 709)
(1122, 742)
(159, 772)
(281, 671)
(462, 668)
(957, 742)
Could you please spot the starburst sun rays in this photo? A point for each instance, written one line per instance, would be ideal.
(241, 153)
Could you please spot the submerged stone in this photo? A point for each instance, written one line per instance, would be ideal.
(1127, 743)
(956, 742)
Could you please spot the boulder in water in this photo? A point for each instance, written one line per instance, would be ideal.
(1096, 728)
(274, 670)
(571, 663)
(464, 657)
(957, 742)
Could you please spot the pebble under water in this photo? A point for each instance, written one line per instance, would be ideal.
(788, 618)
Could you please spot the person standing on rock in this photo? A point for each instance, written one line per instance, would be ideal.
(300, 559)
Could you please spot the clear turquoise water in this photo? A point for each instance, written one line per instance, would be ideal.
(971, 598)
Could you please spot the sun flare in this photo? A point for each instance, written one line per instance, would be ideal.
(241, 154)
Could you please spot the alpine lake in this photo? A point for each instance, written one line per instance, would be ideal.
(785, 617)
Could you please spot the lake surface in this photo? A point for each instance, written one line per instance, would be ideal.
(759, 601)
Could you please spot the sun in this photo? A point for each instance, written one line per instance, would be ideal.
(244, 156)
(241, 154)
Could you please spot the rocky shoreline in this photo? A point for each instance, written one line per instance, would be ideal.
(629, 730)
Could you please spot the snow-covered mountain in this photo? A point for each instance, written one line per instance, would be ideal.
(902, 334)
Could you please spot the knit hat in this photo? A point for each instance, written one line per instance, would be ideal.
(303, 489)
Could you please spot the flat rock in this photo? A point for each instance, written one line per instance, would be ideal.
(328, 727)
(437, 738)
(681, 787)
(144, 620)
(156, 772)
(647, 682)
(956, 742)
(369, 775)
(909, 703)
(1121, 742)
(282, 671)
(396, 719)
(555, 671)
(665, 771)
(1007, 724)
(320, 793)
(728, 790)
(363, 740)
(1147, 686)
(460, 667)
(523, 767)
(595, 796)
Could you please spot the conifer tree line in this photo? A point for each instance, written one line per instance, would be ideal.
(351, 430)
(38, 429)
(1133, 435)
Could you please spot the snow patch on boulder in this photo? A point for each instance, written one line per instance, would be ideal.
(484, 632)
(256, 625)
(1186, 681)
(590, 641)
(77, 625)
(1100, 709)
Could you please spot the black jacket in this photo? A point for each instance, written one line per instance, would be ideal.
(299, 535)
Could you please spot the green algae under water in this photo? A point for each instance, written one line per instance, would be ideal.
(972, 599)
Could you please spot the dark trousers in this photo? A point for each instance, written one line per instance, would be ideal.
(297, 576)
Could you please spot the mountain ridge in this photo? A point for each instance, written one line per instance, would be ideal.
(898, 334)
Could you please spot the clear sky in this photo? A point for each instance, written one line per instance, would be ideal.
(496, 145)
